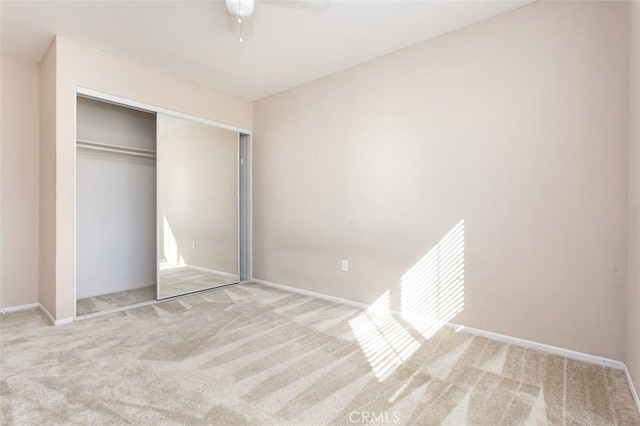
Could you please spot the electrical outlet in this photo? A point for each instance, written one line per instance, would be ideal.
(193, 244)
(345, 265)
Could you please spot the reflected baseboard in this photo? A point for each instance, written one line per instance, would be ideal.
(173, 268)
(184, 279)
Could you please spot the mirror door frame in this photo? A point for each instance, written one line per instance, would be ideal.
(241, 143)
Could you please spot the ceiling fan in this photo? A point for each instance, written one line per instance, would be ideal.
(242, 9)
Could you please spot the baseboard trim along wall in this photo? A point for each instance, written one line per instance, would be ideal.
(568, 353)
(36, 306)
(555, 350)
(53, 320)
(634, 391)
(19, 308)
(312, 294)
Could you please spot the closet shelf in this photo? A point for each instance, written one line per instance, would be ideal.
(96, 146)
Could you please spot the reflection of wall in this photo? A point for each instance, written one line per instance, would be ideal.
(197, 186)
(20, 150)
(516, 124)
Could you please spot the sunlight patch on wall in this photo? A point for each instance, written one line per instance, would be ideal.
(383, 340)
(170, 255)
(431, 294)
(432, 291)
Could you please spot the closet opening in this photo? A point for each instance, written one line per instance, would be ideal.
(115, 206)
(163, 205)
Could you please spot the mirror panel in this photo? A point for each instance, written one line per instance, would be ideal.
(197, 180)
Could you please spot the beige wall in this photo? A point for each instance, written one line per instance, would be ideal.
(633, 272)
(78, 65)
(197, 196)
(515, 125)
(1, 197)
(47, 269)
(20, 239)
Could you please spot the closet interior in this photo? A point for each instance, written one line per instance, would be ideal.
(162, 206)
(115, 206)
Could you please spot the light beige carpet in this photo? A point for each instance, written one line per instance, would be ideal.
(249, 354)
(89, 305)
(174, 281)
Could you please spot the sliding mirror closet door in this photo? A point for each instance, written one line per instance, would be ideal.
(197, 176)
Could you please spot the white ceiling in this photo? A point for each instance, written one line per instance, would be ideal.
(286, 43)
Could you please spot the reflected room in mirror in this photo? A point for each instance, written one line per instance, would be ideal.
(197, 206)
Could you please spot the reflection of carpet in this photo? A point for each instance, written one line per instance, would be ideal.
(119, 299)
(252, 354)
(186, 279)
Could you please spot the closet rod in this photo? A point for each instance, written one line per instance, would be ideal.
(115, 149)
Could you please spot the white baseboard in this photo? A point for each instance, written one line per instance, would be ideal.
(555, 350)
(634, 391)
(42, 309)
(18, 308)
(52, 320)
(568, 353)
(312, 294)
